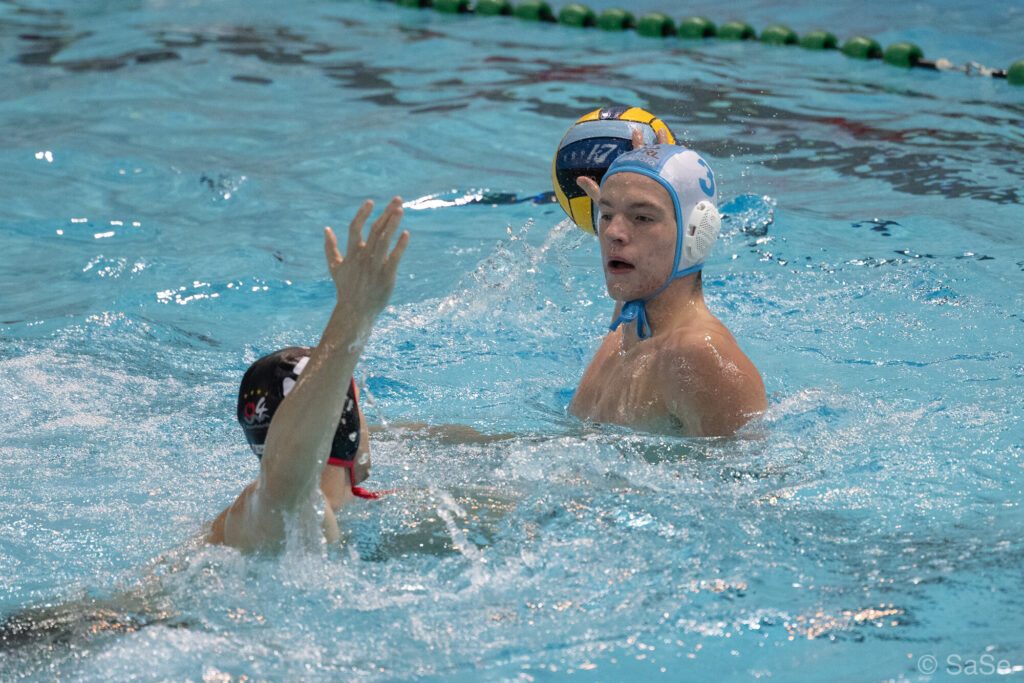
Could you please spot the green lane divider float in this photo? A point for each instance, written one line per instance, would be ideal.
(737, 30)
(697, 27)
(819, 40)
(861, 47)
(779, 35)
(452, 6)
(1015, 74)
(534, 10)
(903, 54)
(658, 25)
(615, 20)
(493, 8)
(577, 15)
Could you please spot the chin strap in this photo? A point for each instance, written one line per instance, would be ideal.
(635, 310)
(360, 492)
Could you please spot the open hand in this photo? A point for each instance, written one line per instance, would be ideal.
(365, 276)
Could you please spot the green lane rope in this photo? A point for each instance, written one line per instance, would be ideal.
(577, 15)
(819, 40)
(737, 30)
(861, 47)
(903, 54)
(615, 20)
(452, 6)
(493, 7)
(779, 35)
(697, 27)
(657, 25)
(534, 10)
(1015, 74)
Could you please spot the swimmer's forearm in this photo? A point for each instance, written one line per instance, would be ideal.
(302, 431)
(303, 428)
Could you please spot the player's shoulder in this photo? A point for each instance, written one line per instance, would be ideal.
(698, 343)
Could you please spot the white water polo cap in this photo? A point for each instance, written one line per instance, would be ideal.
(690, 183)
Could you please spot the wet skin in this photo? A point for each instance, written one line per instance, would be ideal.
(294, 483)
(690, 377)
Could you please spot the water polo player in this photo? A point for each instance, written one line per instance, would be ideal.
(315, 449)
(667, 363)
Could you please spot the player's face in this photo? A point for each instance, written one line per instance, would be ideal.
(637, 231)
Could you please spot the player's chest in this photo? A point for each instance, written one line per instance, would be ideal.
(622, 387)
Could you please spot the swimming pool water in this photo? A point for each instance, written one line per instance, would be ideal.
(167, 169)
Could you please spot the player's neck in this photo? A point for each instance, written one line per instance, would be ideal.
(678, 305)
(334, 483)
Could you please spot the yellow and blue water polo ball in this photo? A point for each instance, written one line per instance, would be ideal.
(590, 146)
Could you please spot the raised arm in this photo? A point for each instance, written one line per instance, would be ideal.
(299, 439)
(300, 435)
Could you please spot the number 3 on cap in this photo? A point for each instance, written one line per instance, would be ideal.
(707, 184)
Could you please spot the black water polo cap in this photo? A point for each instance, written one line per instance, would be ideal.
(266, 384)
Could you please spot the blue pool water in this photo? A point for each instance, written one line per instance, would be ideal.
(167, 168)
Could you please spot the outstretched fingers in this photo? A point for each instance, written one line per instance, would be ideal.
(662, 136)
(384, 228)
(331, 248)
(374, 251)
(396, 254)
(355, 228)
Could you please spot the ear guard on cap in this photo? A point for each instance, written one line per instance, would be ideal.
(702, 228)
